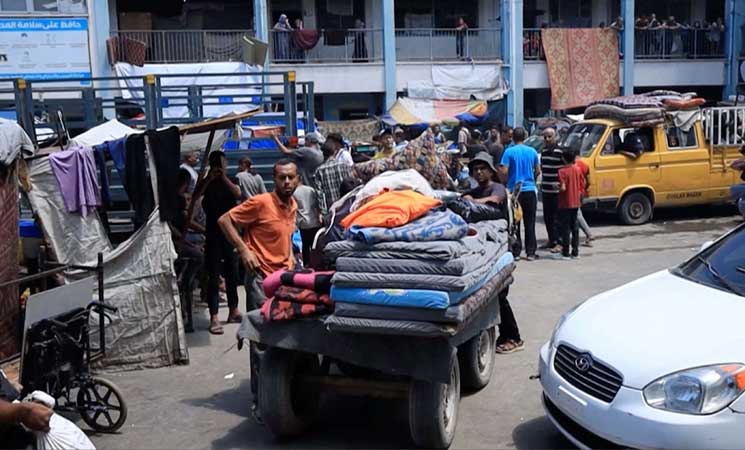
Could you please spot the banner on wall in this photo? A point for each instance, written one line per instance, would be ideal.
(44, 49)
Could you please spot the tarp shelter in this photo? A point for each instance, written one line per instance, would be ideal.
(409, 111)
(196, 74)
(461, 82)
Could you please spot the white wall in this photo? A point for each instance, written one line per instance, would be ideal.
(647, 73)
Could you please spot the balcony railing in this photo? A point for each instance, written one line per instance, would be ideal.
(188, 46)
(650, 44)
(333, 46)
(447, 44)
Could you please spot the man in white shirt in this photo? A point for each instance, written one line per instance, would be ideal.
(342, 154)
(399, 135)
(190, 161)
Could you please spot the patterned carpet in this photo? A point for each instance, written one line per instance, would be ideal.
(8, 266)
(582, 65)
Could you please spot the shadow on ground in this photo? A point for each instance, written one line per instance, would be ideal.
(539, 433)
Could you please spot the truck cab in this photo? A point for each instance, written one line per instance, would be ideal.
(636, 169)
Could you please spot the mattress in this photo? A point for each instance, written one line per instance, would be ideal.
(415, 298)
(454, 314)
(495, 230)
(457, 266)
(392, 327)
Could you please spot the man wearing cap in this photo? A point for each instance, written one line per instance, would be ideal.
(307, 158)
(492, 193)
(341, 154)
(387, 146)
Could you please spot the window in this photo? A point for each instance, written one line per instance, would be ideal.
(582, 138)
(435, 13)
(679, 139)
(13, 5)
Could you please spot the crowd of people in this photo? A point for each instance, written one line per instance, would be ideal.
(655, 37)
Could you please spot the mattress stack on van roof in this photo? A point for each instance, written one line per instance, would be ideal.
(643, 110)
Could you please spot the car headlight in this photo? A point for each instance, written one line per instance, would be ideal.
(703, 390)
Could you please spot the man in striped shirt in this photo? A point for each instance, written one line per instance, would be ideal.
(551, 162)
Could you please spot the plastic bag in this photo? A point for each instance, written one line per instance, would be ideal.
(62, 435)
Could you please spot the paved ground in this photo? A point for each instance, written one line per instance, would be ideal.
(205, 404)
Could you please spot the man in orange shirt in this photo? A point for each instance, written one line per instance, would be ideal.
(268, 221)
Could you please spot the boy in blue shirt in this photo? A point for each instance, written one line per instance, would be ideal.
(520, 164)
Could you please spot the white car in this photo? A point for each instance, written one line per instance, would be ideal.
(658, 362)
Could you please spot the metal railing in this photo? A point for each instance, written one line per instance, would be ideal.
(332, 46)
(185, 46)
(723, 126)
(448, 44)
(683, 43)
(679, 43)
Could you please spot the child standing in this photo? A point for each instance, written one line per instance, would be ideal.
(572, 185)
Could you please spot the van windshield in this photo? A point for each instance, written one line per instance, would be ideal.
(582, 138)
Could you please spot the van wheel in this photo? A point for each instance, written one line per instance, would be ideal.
(635, 209)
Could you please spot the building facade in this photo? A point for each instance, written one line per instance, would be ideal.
(364, 52)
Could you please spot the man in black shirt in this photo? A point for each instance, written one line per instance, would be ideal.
(492, 193)
(551, 162)
(220, 195)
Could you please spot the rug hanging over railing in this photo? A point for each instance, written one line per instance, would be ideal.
(582, 65)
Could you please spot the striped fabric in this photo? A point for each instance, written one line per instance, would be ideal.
(551, 162)
(9, 302)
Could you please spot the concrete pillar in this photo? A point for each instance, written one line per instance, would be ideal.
(734, 20)
(512, 55)
(99, 29)
(389, 52)
(261, 20)
(628, 46)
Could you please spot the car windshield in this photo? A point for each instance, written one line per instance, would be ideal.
(535, 141)
(721, 266)
(582, 138)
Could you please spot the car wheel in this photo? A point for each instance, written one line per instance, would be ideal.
(635, 209)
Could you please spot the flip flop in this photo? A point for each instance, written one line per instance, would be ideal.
(235, 319)
(216, 329)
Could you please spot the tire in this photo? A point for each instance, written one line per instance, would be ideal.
(635, 209)
(287, 409)
(97, 400)
(476, 360)
(433, 410)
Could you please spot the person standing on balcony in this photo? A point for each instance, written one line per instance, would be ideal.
(281, 34)
(360, 47)
(298, 54)
(715, 36)
(461, 29)
(640, 33)
(673, 43)
(656, 36)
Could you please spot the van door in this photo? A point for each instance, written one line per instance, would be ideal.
(684, 164)
(615, 171)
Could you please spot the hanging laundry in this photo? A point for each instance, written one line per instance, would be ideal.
(137, 182)
(306, 39)
(391, 209)
(165, 146)
(116, 150)
(75, 171)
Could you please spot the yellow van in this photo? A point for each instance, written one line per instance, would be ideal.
(671, 167)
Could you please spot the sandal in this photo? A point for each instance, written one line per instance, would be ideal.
(511, 346)
(216, 328)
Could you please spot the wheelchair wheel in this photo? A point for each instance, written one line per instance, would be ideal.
(101, 405)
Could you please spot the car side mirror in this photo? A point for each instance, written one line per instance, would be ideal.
(705, 245)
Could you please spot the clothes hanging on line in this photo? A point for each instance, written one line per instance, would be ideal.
(165, 146)
(137, 181)
(75, 171)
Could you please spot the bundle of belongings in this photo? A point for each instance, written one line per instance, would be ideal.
(409, 263)
(297, 294)
(643, 110)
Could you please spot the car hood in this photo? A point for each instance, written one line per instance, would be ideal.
(658, 325)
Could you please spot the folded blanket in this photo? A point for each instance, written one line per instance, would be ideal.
(435, 226)
(387, 327)
(306, 279)
(292, 302)
(476, 212)
(275, 310)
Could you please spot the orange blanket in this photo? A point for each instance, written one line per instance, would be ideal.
(391, 209)
(582, 65)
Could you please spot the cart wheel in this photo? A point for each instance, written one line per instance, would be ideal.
(476, 358)
(101, 405)
(287, 406)
(433, 410)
